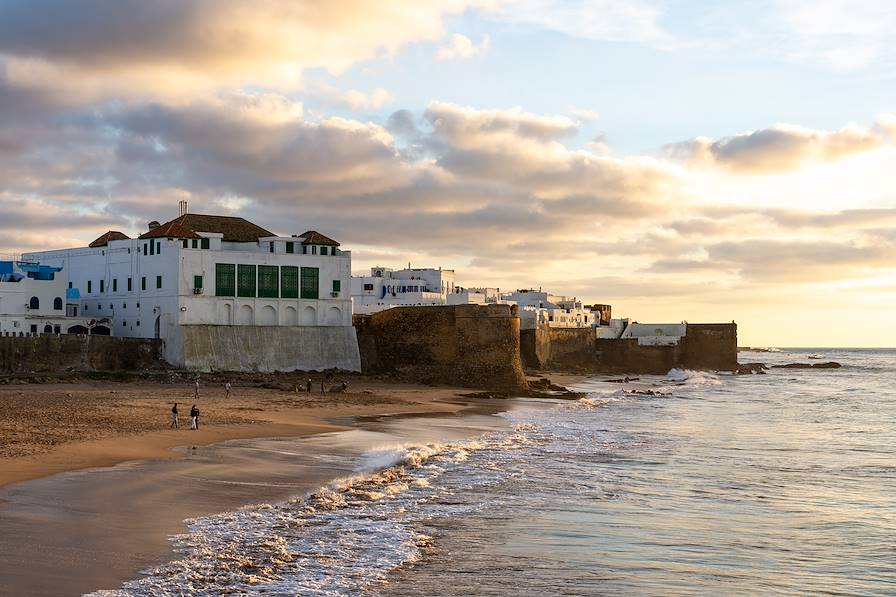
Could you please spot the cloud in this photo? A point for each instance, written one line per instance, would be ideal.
(461, 46)
(782, 147)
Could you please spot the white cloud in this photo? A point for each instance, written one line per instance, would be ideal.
(461, 46)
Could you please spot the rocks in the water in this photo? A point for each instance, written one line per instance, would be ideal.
(828, 365)
(751, 369)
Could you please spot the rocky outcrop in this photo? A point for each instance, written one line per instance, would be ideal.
(828, 365)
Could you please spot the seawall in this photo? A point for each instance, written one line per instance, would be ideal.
(476, 346)
(268, 348)
(69, 352)
(704, 346)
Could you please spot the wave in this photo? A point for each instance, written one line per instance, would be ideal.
(695, 378)
(343, 538)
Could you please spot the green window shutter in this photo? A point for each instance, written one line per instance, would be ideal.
(289, 281)
(310, 282)
(290, 247)
(205, 243)
(197, 282)
(245, 280)
(225, 279)
(323, 250)
(267, 281)
(337, 285)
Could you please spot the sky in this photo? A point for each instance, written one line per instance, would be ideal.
(680, 160)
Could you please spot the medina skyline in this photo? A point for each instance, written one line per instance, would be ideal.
(675, 161)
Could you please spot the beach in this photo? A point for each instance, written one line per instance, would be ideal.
(95, 482)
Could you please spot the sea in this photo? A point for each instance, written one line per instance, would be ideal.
(692, 483)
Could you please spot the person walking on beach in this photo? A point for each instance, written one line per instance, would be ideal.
(174, 416)
(308, 385)
(196, 389)
(227, 390)
(194, 418)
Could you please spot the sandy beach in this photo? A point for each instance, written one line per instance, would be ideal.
(96, 483)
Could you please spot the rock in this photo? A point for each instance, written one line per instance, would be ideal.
(750, 369)
(828, 365)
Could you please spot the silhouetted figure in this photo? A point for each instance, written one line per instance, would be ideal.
(174, 416)
(196, 390)
(194, 418)
(227, 387)
(308, 385)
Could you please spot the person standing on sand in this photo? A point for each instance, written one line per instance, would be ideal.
(308, 385)
(196, 389)
(227, 390)
(194, 418)
(174, 416)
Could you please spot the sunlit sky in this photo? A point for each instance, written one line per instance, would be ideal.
(680, 160)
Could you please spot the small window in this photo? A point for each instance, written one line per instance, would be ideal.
(185, 243)
(197, 282)
(143, 283)
(368, 287)
(114, 284)
(138, 305)
(145, 249)
(271, 246)
(102, 286)
(34, 303)
(159, 247)
(89, 287)
(314, 250)
(152, 248)
(290, 247)
(337, 285)
(130, 284)
(33, 329)
(124, 305)
(195, 243)
(205, 243)
(57, 304)
(99, 306)
(323, 250)
(304, 249)
(69, 284)
(138, 324)
(158, 281)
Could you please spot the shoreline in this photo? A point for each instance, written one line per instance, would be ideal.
(95, 527)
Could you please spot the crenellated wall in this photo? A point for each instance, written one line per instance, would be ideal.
(475, 346)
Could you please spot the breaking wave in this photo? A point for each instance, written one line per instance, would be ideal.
(688, 377)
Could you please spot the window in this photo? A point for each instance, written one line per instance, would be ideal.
(185, 244)
(205, 243)
(368, 287)
(143, 283)
(323, 250)
(271, 246)
(145, 249)
(102, 286)
(313, 250)
(337, 285)
(89, 287)
(138, 323)
(152, 248)
(34, 303)
(114, 284)
(57, 304)
(267, 281)
(290, 247)
(158, 281)
(124, 305)
(33, 329)
(225, 279)
(159, 247)
(195, 243)
(304, 249)
(245, 280)
(130, 284)
(197, 282)
(289, 281)
(69, 284)
(309, 283)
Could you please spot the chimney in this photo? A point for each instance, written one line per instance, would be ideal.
(153, 225)
(182, 205)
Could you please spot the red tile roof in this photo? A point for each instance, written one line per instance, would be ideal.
(105, 238)
(313, 237)
(187, 226)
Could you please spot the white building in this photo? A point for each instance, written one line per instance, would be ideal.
(542, 308)
(476, 296)
(37, 299)
(647, 334)
(385, 288)
(196, 271)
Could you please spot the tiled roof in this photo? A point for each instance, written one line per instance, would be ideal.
(313, 237)
(234, 229)
(104, 239)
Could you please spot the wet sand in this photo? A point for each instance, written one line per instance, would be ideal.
(94, 528)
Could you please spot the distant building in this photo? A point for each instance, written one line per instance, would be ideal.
(542, 308)
(209, 270)
(476, 296)
(647, 334)
(410, 287)
(38, 299)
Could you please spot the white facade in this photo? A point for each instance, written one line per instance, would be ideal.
(476, 296)
(36, 299)
(151, 287)
(385, 288)
(656, 334)
(542, 308)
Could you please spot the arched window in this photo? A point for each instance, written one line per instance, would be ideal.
(34, 303)
(57, 304)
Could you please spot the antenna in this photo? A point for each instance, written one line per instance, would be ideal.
(182, 205)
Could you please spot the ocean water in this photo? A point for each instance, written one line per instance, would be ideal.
(690, 483)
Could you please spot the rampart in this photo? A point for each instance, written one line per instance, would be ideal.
(268, 348)
(704, 346)
(475, 346)
(70, 352)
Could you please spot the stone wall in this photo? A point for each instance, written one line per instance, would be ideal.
(68, 352)
(269, 348)
(560, 349)
(710, 346)
(475, 346)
